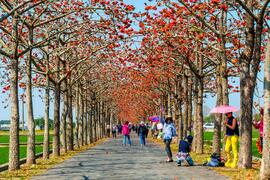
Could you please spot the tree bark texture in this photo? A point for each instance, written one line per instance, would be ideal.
(77, 117)
(14, 123)
(56, 121)
(70, 137)
(46, 140)
(64, 119)
(31, 152)
(265, 166)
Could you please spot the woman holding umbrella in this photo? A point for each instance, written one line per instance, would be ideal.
(232, 133)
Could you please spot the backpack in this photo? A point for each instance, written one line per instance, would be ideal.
(215, 161)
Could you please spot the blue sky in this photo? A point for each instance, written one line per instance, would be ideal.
(38, 105)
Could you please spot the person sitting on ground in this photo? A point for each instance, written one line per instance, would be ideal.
(259, 125)
(184, 148)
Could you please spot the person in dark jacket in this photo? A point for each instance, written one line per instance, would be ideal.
(142, 133)
(184, 149)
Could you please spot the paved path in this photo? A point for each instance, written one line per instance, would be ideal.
(111, 160)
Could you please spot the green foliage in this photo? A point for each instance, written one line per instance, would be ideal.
(209, 119)
(257, 117)
(40, 122)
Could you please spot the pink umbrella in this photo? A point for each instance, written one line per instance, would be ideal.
(224, 109)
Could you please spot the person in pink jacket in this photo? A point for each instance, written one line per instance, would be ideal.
(259, 125)
(125, 132)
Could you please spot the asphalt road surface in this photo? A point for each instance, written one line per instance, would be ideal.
(111, 160)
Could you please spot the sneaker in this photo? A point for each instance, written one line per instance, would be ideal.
(169, 161)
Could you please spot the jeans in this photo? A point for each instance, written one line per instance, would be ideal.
(124, 140)
(168, 147)
(142, 139)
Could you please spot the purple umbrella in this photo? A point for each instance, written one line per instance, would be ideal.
(224, 109)
(154, 118)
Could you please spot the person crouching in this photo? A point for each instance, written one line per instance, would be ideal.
(183, 157)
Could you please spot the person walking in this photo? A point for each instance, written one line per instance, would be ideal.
(232, 135)
(119, 129)
(259, 125)
(169, 133)
(126, 132)
(142, 132)
(114, 128)
(108, 129)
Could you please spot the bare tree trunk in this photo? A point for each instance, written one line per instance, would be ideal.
(70, 137)
(85, 122)
(99, 121)
(195, 127)
(91, 123)
(199, 146)
(56, 132)
(77, 117)
(169, 103)
(95, 121)
(46, 140)
(265, 166)
(29, 103)
(218, 119)
(185, 88)
(63, 120)
(246, 94)
(180, 122)
(14, 123)
(189, 107)
(81, 122)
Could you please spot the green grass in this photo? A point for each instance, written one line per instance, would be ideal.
(4, 153)
(208, 138)
(23, 138)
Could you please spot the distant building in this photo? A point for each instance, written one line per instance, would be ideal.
(5, 125)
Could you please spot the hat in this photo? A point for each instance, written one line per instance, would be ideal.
(168, 118)
(189, 138)
(142, 122)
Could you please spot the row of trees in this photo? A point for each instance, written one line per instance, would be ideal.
(191, 49)
(61, 46)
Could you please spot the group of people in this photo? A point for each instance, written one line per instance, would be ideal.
(125, 130)
(184, 146)
(231, 146)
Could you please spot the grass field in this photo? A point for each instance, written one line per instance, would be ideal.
(208, 137)
(23, 138)
(4, 153)
(4, 138)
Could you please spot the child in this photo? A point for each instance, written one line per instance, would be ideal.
(183, 152)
